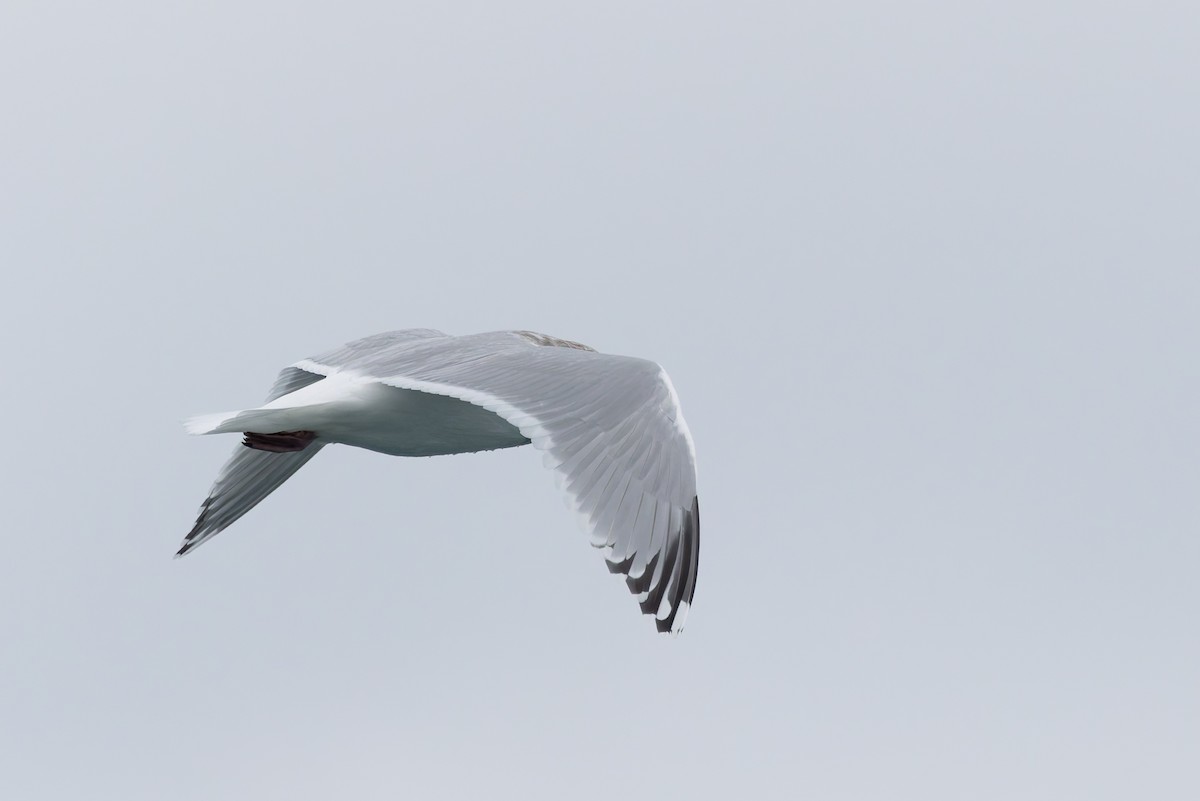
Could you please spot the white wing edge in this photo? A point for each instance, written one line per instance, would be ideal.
(533, 429)
(677, 414)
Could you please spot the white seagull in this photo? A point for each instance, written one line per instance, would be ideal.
(609, 426)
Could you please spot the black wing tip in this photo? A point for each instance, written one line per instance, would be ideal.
(642, 583)
(684, 590)
(195, 537)
(680, 561)
(693, 551)
(189, 543)
(620, 567)
(655, 595)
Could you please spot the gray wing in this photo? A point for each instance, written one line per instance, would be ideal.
(610, 426)
(250, 475)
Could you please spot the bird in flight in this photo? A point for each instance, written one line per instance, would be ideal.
(609, 426)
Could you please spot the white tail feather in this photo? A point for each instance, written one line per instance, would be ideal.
(262, 421)
(294, 411)
(208, 423)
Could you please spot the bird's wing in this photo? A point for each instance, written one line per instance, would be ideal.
(251, 475)
(247, 478)
(610, 426)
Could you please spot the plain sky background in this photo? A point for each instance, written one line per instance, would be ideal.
(926, 276)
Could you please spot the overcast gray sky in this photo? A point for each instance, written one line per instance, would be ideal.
(925, 276)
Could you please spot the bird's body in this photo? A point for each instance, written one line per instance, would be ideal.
(609, 425)
(353, 410)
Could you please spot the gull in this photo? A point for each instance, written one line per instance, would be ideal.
(609, 426)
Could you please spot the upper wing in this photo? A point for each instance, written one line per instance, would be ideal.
(610, 426)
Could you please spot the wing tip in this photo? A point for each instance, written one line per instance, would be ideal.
(681, 561)
(673, 624)
(683, 588)
(194, 538)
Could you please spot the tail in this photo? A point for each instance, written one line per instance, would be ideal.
(299, 410)
(208, 423)
(262, 421)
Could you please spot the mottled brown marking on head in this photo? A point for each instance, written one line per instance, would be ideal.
(548, 341)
